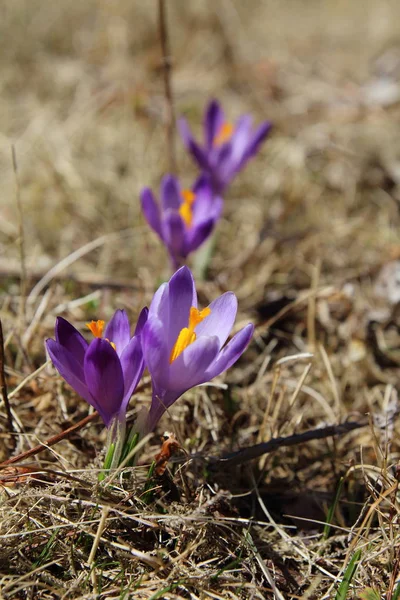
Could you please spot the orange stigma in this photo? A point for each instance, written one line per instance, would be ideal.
(224, 134)
(187, 335)
(96, 327)
(186, 208)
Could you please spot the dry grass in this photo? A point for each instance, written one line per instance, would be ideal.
(307, 230)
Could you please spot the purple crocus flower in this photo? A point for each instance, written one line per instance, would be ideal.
(226, 148)
(106, 371)
(185, 218)
(184, 346)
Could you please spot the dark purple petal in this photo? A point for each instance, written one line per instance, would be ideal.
(174, 235)
(199, 155)
(256, 140)
(155, 351)
(189, 368)
(232, 351)
(104, 378)
(199, 233)
(151, 210)
(170, 193)
(70, 369)
(221, 319)
(213, 121)
(181, 297)
(132, 367)
(142, 320)
(118, 331)
(70, 338)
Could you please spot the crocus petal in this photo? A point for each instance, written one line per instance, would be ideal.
(241, 137)
(159, 300)
(175, 236)
(221, 318)
(118, 331)
(181, 297)
(155, 352)
(170, 193)
(256, 140)
(161, 401)
(189, 368)
(199, 155)
(184, 131)
(132, 367)
(70, 369)
(199, 233)
(213, 121)
(104, 378)
(142, 320)
(70, 338)
(151, 210)
(232, 351)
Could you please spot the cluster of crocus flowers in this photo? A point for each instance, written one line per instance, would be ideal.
(183, 218)
(227, 146)
(181, 345)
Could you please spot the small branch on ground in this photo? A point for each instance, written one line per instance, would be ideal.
(167, 68)
(3, 389)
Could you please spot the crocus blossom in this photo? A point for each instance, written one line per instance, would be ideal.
(184, 218)
(184, 346)
(106, 371)
(227, 147)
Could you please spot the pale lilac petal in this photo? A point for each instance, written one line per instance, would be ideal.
(241, 137)
(151, 211)
(207, 204)
(161, 401)
(155, 351)
(104, 378)
(142, 320)
(159, 302)
(255, 141)
(132, 367)
(170, 193)
(118, 331)
(70, 338)
(213, 121)
(182, 296)
(184, 131)
(70, 369)
(231, 352)
(189, 368)
(221, 319)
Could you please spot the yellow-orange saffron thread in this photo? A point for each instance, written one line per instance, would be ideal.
(224, 134)
(187, 335)
(186, 208)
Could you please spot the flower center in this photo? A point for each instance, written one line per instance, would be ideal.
(186, 208)
(96, 327)
(187, 335)
(224, 134)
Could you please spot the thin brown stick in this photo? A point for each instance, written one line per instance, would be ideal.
(51, 441)
(167, 68)
(21, 242)
(3, 388)
(251, 452)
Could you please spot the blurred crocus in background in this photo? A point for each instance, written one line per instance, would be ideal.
(226, 148)
(106, 371)
(184, 346)
(184, 218)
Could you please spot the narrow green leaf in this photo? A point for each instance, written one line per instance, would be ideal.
(348, 576)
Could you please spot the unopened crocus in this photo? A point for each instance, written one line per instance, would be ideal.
(184, 346)
(227, 146)
(184, 218)
(106, 371)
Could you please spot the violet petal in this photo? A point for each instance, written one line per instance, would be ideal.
(155, 351)
(70, 338)
(189, 368)
(104, 378)
(170, 193)
(132, 364)
(213, 121)
(221, 319)
(70, 369)
(142, 320)
(231, 352)
(118, 331)
(151, 210)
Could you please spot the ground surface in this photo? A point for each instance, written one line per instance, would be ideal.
(308, 242)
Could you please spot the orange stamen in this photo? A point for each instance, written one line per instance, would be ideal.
(186, 208)
(96, 327)
(187, 335)
(224, 134)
